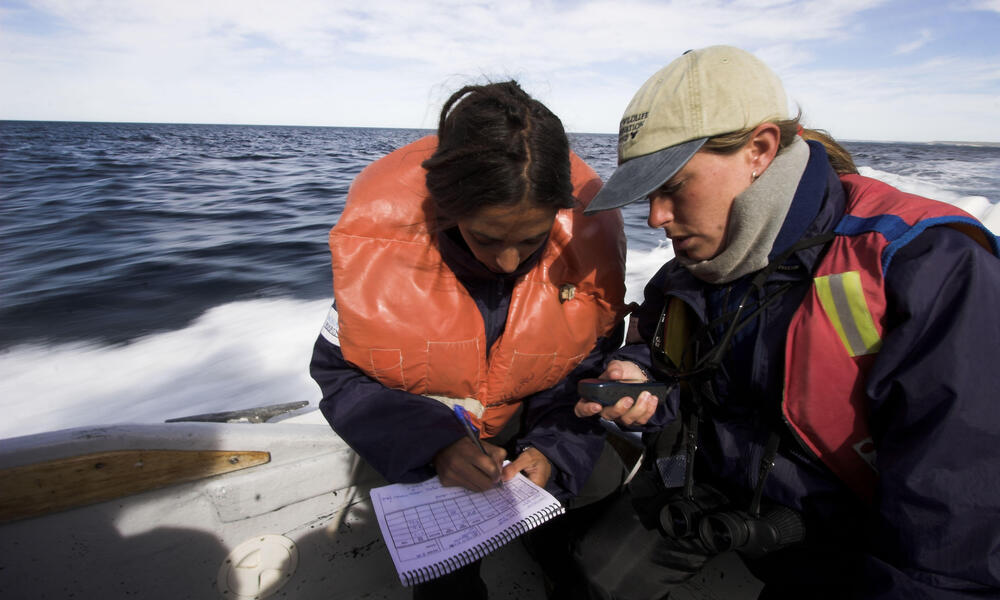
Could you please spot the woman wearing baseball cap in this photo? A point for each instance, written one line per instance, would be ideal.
(833, 345)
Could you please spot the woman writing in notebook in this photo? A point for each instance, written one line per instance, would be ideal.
(466, 275)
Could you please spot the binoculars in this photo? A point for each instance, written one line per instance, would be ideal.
(709, 516)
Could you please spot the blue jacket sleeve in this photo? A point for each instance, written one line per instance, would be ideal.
(571, 444)
(935, 423)
(397, 432)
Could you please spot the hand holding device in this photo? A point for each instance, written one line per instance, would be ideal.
(607, 393)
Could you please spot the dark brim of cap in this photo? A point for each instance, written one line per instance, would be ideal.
(636, 178)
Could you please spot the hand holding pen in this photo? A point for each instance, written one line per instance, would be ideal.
(470, 462)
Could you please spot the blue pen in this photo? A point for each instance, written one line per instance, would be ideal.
(472, 431)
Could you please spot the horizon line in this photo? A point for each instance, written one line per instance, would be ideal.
(206, 123)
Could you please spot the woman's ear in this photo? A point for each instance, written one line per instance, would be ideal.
(763, 146)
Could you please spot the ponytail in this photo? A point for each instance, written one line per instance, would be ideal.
(840, 159)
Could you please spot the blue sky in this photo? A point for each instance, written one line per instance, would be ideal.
(864, 70)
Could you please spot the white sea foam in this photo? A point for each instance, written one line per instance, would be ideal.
(641, 265)
(978, 206)
(235, 356)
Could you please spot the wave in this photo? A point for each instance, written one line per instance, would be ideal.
(237, 355)
(159, 271)
(234, 356)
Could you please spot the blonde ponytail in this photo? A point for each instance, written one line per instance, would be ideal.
(840, 158)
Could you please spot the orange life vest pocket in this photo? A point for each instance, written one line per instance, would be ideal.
(530, 373)
(387, 367)
(456, 365)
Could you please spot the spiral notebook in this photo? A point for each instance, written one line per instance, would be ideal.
(431, 530)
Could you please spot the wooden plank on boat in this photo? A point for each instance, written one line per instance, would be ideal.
(261, 414)
(41, 488)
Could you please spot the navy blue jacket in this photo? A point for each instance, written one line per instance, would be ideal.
(399, 433)
(934, 531)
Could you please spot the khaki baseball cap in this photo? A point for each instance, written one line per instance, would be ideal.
(704, 93)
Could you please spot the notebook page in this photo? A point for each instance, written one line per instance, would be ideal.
(431, 530)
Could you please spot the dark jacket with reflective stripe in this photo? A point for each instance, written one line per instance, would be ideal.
(934, 529)
(836, 334)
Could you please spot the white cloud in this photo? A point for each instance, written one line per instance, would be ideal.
(391, 63)
(923, 37)
(993, 5)
(900, 104)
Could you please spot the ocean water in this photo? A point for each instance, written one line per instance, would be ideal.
(154, 271)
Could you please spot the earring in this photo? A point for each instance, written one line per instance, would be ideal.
(753, 176)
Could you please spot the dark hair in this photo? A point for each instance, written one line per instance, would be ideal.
(840, 159)
(497, 146)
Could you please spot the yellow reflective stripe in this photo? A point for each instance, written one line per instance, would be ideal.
(844, 302)
(870, 339)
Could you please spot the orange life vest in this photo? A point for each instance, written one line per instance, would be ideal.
(836, 333)
(405, 320)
